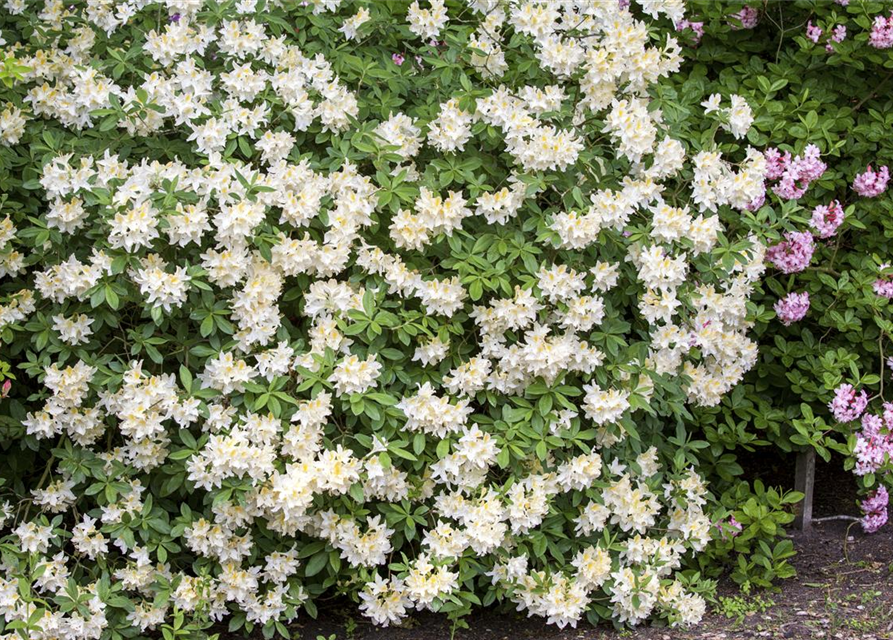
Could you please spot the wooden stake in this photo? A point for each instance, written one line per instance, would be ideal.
(804, 482)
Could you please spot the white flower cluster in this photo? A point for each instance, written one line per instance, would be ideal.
(430, 414)
(637, 575)
(427, 23)
(716, 183)
(435, 215)
(736, 118)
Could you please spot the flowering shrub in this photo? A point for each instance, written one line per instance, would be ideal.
(820, 73)
(404, 302)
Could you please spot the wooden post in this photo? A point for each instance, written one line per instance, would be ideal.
(804, 481)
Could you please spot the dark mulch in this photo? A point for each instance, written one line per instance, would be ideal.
(843, 591)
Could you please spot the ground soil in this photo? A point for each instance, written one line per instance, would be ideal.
(843, 591)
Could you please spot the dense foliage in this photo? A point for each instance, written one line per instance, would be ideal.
(817, 73)
(427, 305)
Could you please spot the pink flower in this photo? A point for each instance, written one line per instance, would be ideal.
(873, 445)
(839, 33)
(871, 183)
(888, 416)
(882, 33)
(792, 308)
(748, 18)
(875, 509)
(757, 202)
(883, 286)
(398, 59)
(776, 163)
(730, 528)
(696, 27)
(847, 405)
(4, 390)
(799, 173)
(794, 253)
(826, 219)
(813, 32)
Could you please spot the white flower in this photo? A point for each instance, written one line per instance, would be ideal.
(400, 131)
(226, 373)
(87, 540)
(385, 601)
(429, 413)
(75, 330)
(604, 407)
(353, 375)
(427, 23)
(711, 104)
(33, 537)
(431, 352)
(162, 289)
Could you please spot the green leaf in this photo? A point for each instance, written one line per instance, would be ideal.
(185, 378)
(418, 443)
(316, 564)
(111, 297)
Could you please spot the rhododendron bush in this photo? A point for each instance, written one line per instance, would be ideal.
(409, 303)
(821, 73)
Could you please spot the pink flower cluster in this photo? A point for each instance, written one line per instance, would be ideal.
(776, 162)
(794, 175)
(883, 286)
(826, 219)
(696, 27)
(794, 253)
(882, 33)
(757, 202)
(837, 34)
(730, 529)
(792, 308)
(748, 18)
(847, 405)
(874, 509)
(813, 32)
(874, 443)
(871, 183)
(874, 448)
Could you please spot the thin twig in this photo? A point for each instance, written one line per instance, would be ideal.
(829, 518)
(873, 93)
